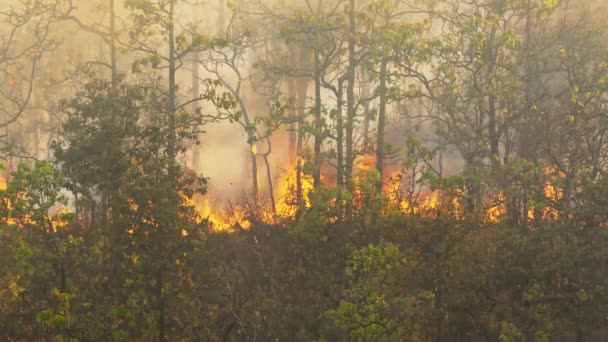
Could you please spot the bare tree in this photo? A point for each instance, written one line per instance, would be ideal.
(24, 40)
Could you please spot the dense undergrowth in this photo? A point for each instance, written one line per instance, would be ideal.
(375, 277)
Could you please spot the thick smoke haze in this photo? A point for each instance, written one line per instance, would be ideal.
(77, 48)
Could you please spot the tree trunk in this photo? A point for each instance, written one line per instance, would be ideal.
(172, 94)
(491, 59)
(339, 149)
(196, 93)
(340, 136)
(301, 107)
(172, 168)
(318, 124)
(114, 58)
(365, 93)
(291, 94)
(492, 132)
(254, 175)
(381, 125)
(350, 104)
(269, 178)
(160, 298)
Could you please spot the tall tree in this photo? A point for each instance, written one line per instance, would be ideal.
(154, 22)
(349, 126)
(20, 58)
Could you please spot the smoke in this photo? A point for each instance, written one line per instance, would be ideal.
(224, 153)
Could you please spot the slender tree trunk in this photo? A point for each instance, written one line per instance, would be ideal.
(527, 141)
(196, 93)
(365, 93)
(491, 58)
(350, 104)
(318, 124)
(270, 185)
(492, 131)
(525, 209)
(301, 107)
(291, 94)
(473, 190)
(161, 305)
(339, 148)
(254, 174)
(172, 94)
(172, 168)
(340, 136)
(63, 277)
(113, 50)
(439, 313)
(381, 125)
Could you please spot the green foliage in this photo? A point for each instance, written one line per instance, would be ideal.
(365, 312)
(34, 192)
(378, 278)
(510, 333)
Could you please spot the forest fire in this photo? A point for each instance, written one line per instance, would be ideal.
(427, 203)
(281, 170)
(497, 208)
(222, 219)
(57, 218)
(241, 215)
(61, 218)
(286, 193)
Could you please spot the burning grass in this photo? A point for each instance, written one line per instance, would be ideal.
(397, 196)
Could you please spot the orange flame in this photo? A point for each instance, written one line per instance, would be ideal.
(286, 193)
(225, 219)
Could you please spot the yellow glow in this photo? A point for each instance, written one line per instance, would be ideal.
(59, 219)
(286, 194)
(132, 205)
(498, 210)
(223, 219)
(431, 202)
(553, 195)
